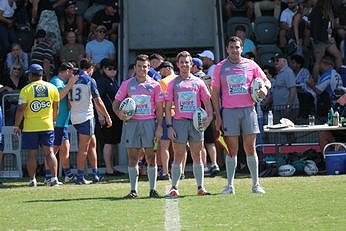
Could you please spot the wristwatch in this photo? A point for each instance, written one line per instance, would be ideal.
(169, 125)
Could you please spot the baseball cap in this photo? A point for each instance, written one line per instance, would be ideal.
(207, 54)
(101, 27)
(198, 62)
(111, 3)
(35, 69)
(69, 3)
(278, 56)
(165, 64)
(67, 66)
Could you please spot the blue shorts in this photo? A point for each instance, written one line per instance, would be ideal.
(32, 140)
(86, 128)
(60, 134)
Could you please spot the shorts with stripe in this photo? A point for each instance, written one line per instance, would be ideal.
(86, 128)
(32, 140)
(60, 134)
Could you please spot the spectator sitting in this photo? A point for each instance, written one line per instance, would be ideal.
(155, 61)
(17, 55)
(71, 50)
(328, 81)
(248, 45)
(100, 48)
(238, 8)
(110, 18)
(286, 22)
(72, 21)
(7, 25)
(306, 96)
(12, 83)
(207, 58)
(39, 37)
(265, 5)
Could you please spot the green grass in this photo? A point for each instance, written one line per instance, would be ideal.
(292, 203)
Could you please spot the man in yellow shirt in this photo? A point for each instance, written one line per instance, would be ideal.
(38, 105)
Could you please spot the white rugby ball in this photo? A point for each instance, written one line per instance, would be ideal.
(256, 84)
(128, 105)
(199, 116)
(286, 170)
(310, 168)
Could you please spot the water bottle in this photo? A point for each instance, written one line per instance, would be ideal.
(270, 118)
(336, 119)
(330, 117)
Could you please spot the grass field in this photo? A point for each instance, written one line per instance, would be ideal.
(292, 203)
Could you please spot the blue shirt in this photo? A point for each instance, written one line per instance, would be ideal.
(64, 112)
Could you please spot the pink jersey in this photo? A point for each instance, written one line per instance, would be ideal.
(186, 95)
(235, 80)
(145, 94)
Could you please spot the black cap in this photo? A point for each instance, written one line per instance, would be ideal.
(69, 3)
(67, 66)
(165, 64)
(278, 56)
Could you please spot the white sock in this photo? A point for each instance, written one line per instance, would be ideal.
(152, 175)
(252, 163)
(133, 175)
(199, 174)
(231, 164)
(176, 172)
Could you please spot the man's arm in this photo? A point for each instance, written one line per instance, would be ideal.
(159, 117)
(55, 111)
(100, 107)
(72, 80)
(19, 118)
(215, 99)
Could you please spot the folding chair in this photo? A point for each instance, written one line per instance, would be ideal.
(12, 146)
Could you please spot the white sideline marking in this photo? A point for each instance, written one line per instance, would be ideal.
(172, 218)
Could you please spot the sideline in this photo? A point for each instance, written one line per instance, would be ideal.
(172, 217)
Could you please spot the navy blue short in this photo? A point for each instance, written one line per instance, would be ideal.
(32, 140)
(60, 134)
(86, 128)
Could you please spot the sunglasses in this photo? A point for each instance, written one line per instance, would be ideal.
(17, 68)
(111, 68)
(101, 31)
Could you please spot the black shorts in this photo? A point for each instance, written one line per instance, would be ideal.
(209, 134)
(112, 135)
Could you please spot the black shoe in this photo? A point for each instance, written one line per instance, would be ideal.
(182, 177)
(132, 195)
(154, 194)
(163, 177)
(214, 170)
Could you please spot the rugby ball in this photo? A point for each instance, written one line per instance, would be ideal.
(286, 170)
(310, 168)
(128, 105)
(199, 116)
(256, 84)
